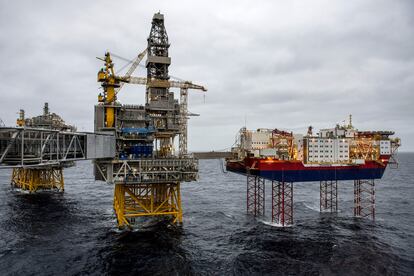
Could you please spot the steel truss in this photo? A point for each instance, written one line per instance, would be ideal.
(329, 196)
(282, 202)
(35, 146)
(34, 179)
(364, 198)
(182, 146)
(255, 195)
(148, 170)
(152, 199)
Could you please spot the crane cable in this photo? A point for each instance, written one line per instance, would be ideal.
(140, 65)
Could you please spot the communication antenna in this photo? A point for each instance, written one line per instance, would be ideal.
(2, 123)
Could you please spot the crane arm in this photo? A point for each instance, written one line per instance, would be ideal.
(167, 84)
(186, 85)
(131, 70)
(136, 80)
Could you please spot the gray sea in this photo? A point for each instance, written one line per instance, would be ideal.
(74, 233)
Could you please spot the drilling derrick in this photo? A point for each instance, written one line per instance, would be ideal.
(147, 170)
(160, 103)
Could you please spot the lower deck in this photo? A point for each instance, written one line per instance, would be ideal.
(299, 173)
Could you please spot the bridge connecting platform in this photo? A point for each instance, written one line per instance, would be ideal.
(38, 156)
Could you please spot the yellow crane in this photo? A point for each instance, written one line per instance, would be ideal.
(112, 84)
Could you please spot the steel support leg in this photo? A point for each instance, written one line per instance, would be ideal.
(34, 179)
(329, 196)
(364, 198)
(147, 200)
(282, 203)
(255, 195)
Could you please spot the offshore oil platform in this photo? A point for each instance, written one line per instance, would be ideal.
(146, 169)
(133, 146)
(334, 154)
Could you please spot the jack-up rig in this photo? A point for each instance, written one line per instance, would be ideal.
(339, 153)
(133, 146)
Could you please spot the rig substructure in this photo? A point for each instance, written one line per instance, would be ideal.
(340, 153)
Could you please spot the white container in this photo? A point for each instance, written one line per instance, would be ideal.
(268, 152)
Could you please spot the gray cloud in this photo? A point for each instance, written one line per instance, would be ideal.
(283, 64)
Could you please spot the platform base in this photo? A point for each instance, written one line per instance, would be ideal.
(34, 179)
(147, 200)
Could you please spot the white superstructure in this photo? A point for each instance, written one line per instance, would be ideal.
(338, 145)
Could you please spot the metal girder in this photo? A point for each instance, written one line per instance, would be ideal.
(30, 146)
(182, 146)
(33, 179)
(142, 200)
(165, 83)
(131, 70)
(282, 202)
(149, 170)
(364, 198)
(255, 195)
(329, 196)
(21, 146)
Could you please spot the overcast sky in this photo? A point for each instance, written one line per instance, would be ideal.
(272, 64)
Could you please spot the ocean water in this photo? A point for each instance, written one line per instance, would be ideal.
(74, 233)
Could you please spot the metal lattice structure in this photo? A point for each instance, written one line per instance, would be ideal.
(182, 146)
(148, 170)
(282, 202)
(329, 196)
(364, 198)
(255, 196)
(142, 200)
(39, 155)
(29, 146)
(34, 179)
(158, 47)
(37, 147)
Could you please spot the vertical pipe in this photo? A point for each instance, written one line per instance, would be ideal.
(283, 203)
(22, 145)
(373, 199)
(273, 198)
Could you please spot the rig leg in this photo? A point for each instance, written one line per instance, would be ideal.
(329, 196)
(33, 179)
(364, 198)
(255, 195)
(153, 199)
(282, 202)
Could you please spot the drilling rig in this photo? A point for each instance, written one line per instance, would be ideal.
(147, 170)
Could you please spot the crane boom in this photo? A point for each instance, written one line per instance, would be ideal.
(131, 70)
(164, 83)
